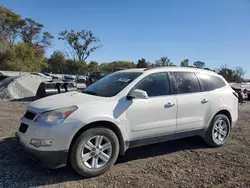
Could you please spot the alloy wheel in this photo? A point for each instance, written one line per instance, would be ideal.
(96, 152)
(220, 131)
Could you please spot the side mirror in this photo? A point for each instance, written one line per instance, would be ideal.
(137, 94)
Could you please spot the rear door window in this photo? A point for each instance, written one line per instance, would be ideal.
(209, 82)
(185, 82)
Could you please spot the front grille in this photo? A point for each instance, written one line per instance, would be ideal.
(23, 128)
(29, 115)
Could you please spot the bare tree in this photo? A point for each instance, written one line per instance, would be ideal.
(79, 44)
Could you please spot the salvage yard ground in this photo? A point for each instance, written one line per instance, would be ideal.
(181, 163)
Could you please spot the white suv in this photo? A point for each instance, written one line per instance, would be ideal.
(127, 109)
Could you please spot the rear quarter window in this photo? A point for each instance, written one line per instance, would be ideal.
(209, 82)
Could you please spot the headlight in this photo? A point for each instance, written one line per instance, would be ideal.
(56, 116)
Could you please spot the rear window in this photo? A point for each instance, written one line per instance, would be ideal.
(209, 82)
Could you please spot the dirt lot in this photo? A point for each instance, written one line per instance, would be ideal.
(182, 163)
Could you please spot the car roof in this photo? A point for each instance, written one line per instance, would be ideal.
(171, 69)
(132, 70)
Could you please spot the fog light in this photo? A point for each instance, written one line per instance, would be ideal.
(40, 142)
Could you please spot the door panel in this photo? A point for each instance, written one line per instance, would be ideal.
(152, 117)
(193, 104)
(192, 111)
(157, 114)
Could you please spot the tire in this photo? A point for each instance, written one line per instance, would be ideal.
(211, 136)
(89, 168)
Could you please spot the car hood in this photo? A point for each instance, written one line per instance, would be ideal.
(62, 100)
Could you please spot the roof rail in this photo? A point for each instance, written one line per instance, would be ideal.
(157, 67)
(150, 68)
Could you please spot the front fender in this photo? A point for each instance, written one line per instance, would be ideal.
(122, 130)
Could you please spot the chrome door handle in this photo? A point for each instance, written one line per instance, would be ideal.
(168, 105)
(204, 101)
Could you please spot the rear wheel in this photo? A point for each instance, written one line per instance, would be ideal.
(94, 152)
(218, 131)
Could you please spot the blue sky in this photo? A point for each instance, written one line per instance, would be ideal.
(214, 31)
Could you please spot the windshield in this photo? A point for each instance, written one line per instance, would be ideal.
(112, 84)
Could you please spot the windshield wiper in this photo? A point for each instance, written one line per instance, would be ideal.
(90, 92)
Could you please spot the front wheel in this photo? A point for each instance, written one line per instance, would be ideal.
(218, 131)
(94, 152)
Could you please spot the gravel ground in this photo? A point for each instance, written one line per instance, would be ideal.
(181, 163)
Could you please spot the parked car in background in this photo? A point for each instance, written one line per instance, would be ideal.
(242, 91)
(70, 78)
(81, 82)
(127, 109)
(247, 89)
(93, 77)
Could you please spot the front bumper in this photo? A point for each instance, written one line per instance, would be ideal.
(51, 159)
